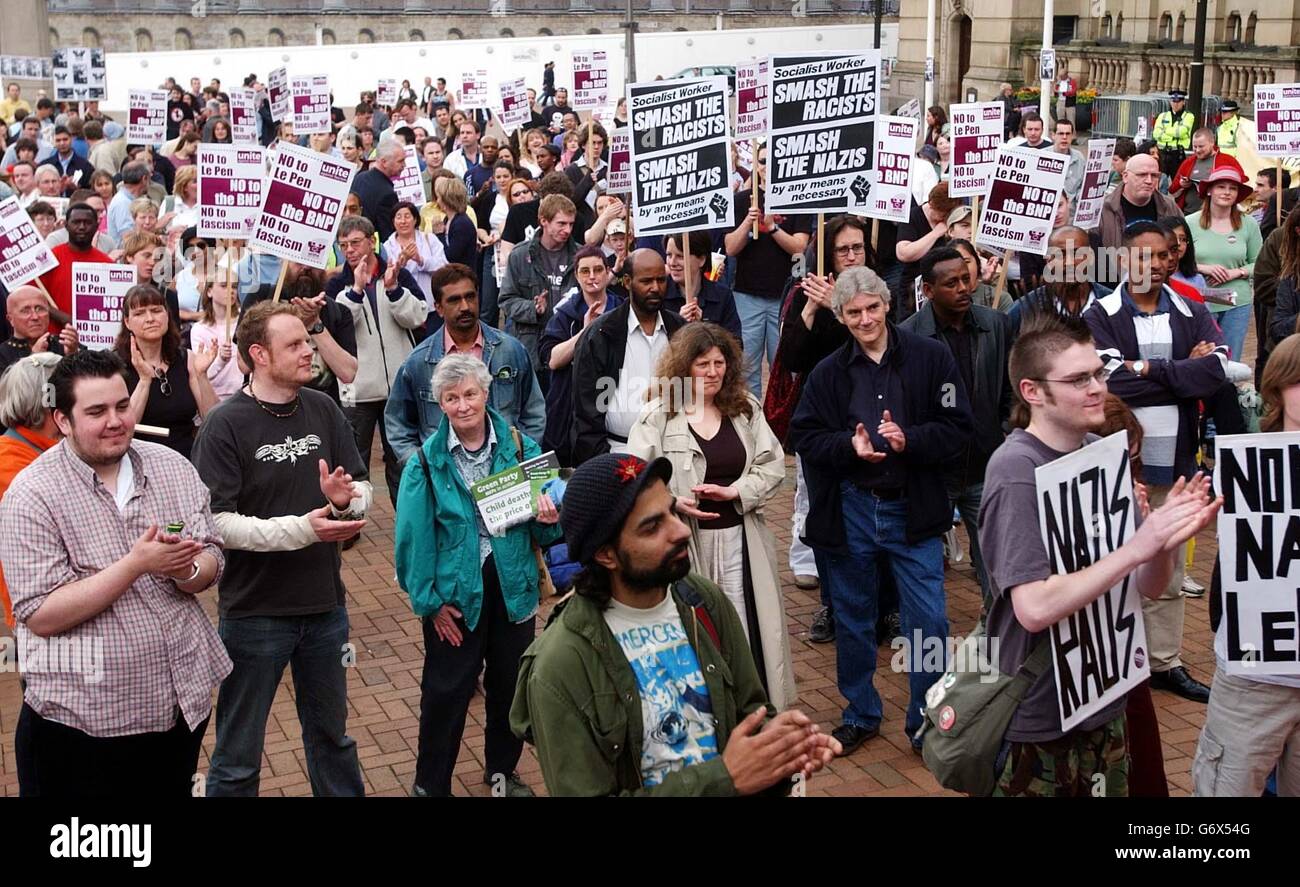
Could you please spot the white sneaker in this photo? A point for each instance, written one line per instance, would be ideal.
(1192, 588)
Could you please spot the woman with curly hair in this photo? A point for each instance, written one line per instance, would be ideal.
(727, 464)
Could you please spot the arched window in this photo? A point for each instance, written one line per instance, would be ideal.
(327, 37)
(598, 31)
(455, 34)
(275, 37)
(506, 32)
(90, 38)
(1180, 34)
(183, 39)
(1107, 26)
(143, 40)
(1119, 26)
(54, 38)
(237, 40)
(1250, 29)
(365, 35)
(415, 36)
(1233, 32)
(1166, 27)
(544, 32)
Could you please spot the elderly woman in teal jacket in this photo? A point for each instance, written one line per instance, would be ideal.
(476, 594)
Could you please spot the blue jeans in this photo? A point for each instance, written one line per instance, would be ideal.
(261, 646)
(1234, 322)
(967, 502)
(760, 327)
(873, 526)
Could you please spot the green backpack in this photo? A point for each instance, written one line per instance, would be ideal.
(967, 713)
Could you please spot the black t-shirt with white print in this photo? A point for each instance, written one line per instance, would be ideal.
(264, 466)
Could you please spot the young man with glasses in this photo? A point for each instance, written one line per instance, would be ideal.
(1165, 354)
(1059, 384)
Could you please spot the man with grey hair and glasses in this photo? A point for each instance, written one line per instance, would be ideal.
(874, 419)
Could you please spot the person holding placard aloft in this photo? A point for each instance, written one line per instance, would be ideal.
(1252, 724)
(1059, 383)
(476, 594)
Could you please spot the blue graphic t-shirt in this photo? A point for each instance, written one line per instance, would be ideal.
(676, 713)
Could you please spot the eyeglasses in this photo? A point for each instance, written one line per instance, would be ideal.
(353, 243)
(853, 249)
(1083, 380)
(33, 311)
(522, 192)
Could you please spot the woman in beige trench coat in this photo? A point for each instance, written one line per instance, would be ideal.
(726, 464)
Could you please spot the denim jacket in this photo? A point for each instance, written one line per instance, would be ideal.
(412, 414)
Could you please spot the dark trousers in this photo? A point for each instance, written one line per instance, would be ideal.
(57, 761)
(364, 417)
(450, 674)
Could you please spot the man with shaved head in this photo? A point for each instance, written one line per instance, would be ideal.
(1137, 199)
(616, 358)
(28, 312)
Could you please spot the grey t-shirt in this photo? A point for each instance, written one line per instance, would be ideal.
(1014, 554)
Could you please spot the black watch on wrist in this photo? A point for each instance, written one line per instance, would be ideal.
(316, 329)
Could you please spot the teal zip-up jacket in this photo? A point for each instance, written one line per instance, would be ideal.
(435, 540)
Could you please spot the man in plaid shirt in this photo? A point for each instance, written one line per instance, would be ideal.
(106, 542)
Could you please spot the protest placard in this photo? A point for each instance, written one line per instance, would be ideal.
(976, 133)
(590, 80)
(277, 91)
(515, 110)
(823, 136)
(745, 155)
(79, 74)
(1020, 204)
(311, 103)
(97, 294)
(509, 498)
(681, 155)
(243, 116)
(1086, 510)
(301, 205)
(24, 254)
(753, 112)
(473, 90)
(910, 108)
(1277, 119)
(146, 116)
(409, 185)
(619, 180)
(1047, 64)
(1096, 178)
(1258, 476)
(386, 93)
(230, 189)
(891, 190)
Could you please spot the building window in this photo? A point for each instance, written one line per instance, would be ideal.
(1166, 27)
(544, 32)
(237, 40)
(90, 38)
(1119, 26)
(1233, 33)
(327, 37)
(416, 36)
(506, 32)
(598, 31)
(275, 37)
(143, 41)
(1250, 28)
(1180, 35)
(54, 39)
(183, 39)
(455, 34)
(365, 35)
(1107, 27)
(1063, 28)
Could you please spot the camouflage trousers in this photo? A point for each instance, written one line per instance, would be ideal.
(1081, 764)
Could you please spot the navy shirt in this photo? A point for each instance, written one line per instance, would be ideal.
(877, 387)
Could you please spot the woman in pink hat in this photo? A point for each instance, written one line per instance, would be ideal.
(1227, 241)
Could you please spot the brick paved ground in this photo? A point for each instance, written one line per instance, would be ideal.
(384, 688)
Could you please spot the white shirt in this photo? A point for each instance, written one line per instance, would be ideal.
(125, 483)
(640, 358)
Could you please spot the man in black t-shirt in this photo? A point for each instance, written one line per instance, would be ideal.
(762, 267)
(287, 485)
(553, 113)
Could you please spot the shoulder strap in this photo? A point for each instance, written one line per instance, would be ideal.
(1038, 661)
(424, 464)
(695, 601)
